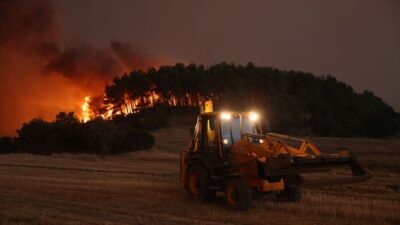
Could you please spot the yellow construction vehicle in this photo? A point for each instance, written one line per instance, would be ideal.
(231, 153)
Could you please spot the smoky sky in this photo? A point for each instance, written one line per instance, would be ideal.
(356, 41)
(40, 75)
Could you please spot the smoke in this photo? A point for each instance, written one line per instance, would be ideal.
(29, 27)
(38, 78)
(92, 67)
(132, 58)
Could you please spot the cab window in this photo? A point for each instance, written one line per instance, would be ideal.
(230, 130)
(194, 146)
(210, 134)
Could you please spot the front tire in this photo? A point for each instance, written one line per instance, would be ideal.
(238, 194)
(197, 184)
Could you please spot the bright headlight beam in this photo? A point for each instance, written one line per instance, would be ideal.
(254, 116)
(226, 116)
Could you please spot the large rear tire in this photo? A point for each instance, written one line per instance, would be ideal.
(197, 184)
(238, 194)
(290, 194)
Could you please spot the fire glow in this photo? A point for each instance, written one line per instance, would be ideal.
(86, 110)
(151, 99)
(57, 77)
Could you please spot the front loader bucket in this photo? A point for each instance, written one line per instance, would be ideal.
(322, 163)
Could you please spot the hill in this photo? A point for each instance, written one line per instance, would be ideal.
(292, 101)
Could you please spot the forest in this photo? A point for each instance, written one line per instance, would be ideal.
(292, 102)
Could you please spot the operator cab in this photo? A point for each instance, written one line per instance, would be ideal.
(217, 132)
(234, 125)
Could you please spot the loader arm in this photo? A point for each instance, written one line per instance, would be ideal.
(304, 159)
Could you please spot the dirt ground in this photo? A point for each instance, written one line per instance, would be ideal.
(143, 188)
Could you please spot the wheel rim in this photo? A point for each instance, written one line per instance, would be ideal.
(195, 184)
(233, 195)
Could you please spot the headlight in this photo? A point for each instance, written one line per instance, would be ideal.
(254, 116)
(226, 116)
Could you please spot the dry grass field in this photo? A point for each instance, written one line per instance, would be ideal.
(143, 188)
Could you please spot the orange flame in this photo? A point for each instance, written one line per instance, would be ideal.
(134, 105)
(86, 110)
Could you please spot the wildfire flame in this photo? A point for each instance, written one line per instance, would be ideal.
(109, 113)
(86, 110)
(132, 106)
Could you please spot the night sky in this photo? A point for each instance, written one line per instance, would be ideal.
(356, 41)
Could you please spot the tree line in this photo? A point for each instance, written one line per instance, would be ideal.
(66, 134)
(293, 102)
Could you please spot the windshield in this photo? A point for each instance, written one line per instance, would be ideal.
(230, 129)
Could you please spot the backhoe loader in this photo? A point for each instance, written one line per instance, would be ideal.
(230, 153)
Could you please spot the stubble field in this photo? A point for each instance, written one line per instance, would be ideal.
(143, 188)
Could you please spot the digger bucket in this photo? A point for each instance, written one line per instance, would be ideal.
(325, 162)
